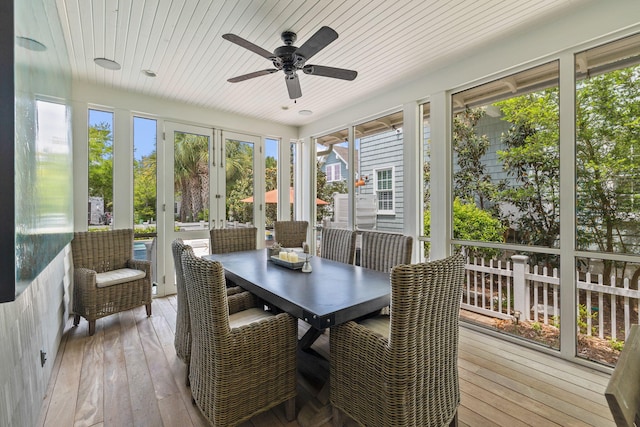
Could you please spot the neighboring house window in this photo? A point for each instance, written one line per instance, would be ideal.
(383, 186)
(333, 172)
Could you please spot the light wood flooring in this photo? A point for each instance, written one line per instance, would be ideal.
(128, 374)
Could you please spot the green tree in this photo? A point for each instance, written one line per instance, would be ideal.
(608, 162)
(608, 158)
(144, 194)
(471, 180)
(101, 164)
(532, 161)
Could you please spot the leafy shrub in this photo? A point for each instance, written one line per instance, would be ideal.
(472, 223)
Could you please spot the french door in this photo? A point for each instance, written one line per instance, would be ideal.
(210, 177)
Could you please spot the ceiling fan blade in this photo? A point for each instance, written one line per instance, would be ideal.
(293, 86)
(336, 73)
(252, 75)
(317, 42)
(248, 45)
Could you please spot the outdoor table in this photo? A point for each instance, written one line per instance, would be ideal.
(333, 293)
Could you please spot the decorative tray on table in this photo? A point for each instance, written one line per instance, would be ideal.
(292, 265)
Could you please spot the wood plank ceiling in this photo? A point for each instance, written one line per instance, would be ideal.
(180, 40)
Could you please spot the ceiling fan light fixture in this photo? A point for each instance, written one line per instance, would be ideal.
(107, 63)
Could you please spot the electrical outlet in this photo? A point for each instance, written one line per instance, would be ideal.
(43, 357)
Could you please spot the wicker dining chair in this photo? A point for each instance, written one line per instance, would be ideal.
(401, 370)
(242, 364)
(338, 244)
(291, 234)
(224, 240)
(381, 251)
(237, 301)
(106, 277)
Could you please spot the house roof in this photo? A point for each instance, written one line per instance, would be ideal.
(343, 154)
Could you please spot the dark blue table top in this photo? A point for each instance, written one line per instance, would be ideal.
(333, 293)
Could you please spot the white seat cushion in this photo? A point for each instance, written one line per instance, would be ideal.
(245, 317)
(116, 277)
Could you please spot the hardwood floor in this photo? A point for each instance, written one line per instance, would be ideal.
(128, 374)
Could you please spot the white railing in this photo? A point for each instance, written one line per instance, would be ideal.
(514, 289)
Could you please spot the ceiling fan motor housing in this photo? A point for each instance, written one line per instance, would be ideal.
(286, 59)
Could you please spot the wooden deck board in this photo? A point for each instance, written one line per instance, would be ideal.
(61, 409)
(117, 404)
(502, 383)
(90, 394)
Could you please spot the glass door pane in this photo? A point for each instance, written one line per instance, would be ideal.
(239, 184)
(187, 193)
(237, 204)
(271, 188)
(145, 184)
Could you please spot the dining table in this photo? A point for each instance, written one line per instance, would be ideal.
(331, 294)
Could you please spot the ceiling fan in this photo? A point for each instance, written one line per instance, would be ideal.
(290, 59)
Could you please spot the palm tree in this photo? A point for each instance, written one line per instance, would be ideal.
(191, 174)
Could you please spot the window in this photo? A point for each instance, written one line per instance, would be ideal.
(100, 203)
(425, 214)
(506, 180)
(384, 190)
(607, 178)
(333, 172)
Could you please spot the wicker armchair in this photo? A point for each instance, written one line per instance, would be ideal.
(382, 251)
(402, 370)
(106, 278)
(243, 363)
(338, 244)
(237, 301)
(291, 234)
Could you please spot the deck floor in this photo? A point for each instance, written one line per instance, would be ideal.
(128, 374)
